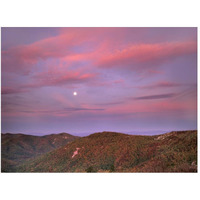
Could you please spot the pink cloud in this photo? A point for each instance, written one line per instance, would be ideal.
(63, 77)
(96, 42)
(20, 59)
(107, 52)
(137, 57)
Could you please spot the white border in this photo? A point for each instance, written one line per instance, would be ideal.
(62, 13)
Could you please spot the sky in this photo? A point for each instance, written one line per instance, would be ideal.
(127, 80)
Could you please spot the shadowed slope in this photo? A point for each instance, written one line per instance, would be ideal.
(16, 148)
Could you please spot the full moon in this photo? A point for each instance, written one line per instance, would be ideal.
(75, 93)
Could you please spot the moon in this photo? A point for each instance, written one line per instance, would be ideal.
(75, 93)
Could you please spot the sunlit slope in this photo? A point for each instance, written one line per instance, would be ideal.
(116, 152)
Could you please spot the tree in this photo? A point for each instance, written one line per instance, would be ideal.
(112, 168)
(90, 169)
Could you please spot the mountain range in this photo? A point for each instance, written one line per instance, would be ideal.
(100, 152)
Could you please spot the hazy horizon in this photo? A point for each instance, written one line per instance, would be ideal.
(86, 80)
(83, 134)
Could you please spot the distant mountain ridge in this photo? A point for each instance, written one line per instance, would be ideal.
(117, 152)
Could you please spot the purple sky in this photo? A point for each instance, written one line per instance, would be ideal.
(126, 79)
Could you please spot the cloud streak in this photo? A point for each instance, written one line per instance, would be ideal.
(157, 96)
(162, 84)
(52, 78)
(12, 90)
(110, 103)
(72, 109)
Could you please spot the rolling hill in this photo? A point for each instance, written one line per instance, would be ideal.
(117, 152)
(16, 148)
